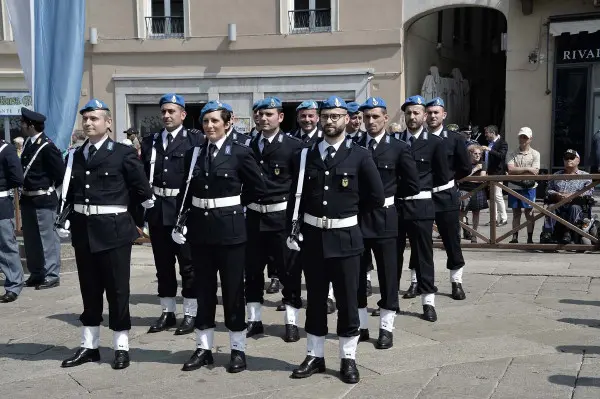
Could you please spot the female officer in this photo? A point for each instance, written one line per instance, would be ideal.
(217, 231)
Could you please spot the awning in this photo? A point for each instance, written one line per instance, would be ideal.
(557, 28)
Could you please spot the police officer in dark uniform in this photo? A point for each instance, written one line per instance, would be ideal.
(353, 130)
(446, 197)
(416, 212)
(256, 129)
(396, 168)
(104, 172)
(43, 168)
(163, 155)
(307, 117)
(340, 179)
(236, 136)
(266, 221)
(11, 177)
(216, 230)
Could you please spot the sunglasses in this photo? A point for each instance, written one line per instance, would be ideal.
(569, 157)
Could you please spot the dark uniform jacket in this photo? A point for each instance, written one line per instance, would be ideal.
(459, 166)
(106, 179)
(398, 170)
(168, 172)
(11, 176)
(360, 134)
(496, 158)
(233, 167)
(432, 163)
(240, 138)
(276, 166)
(308, 141)
(349, 183)
(47, 171)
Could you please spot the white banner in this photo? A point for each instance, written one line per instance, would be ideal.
(11, 103)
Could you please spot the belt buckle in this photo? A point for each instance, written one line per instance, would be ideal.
(264, 208)
(205, 203)
(324, 223)
(86, 210)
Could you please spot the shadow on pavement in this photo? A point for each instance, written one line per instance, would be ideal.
(580, 302)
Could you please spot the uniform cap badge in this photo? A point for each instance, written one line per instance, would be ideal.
(272, 104)
(344, 182)
(375, 103)
(98, 104)
(174, 98)
(337, 102)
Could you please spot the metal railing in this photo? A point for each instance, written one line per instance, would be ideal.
(494, 241)
(165, 27)
(310, 21)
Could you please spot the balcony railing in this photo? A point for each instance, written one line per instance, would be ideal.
(164, 27)
(309, 21)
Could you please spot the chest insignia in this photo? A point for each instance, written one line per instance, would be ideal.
(344, 182)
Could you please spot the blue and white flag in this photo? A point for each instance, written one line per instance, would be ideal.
(50, 38)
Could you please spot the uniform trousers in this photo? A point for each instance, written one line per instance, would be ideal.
(343, 273)
(448, 224)
(166, 251)
(386, 257)
(42, 244)
(421, 252)
(10, 260)
(228, 261)
(263, 247)
(104, 271)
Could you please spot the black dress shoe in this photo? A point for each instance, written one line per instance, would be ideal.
(186, 326)
(457, 292)
(280, 307)
(330, 306)
(83, 355)
(376, 312)
(369, 289)
(48, 283)
(411, 292)
(309, 366)
(385, 340)
(201, 357)
(237, 362)
(254, 328)
(348, 371)
(429, 313)
(33, 281)
(292, 334)
(9, 296)
(273, 288)
(121, 360)
(164, 322)
(364, 335)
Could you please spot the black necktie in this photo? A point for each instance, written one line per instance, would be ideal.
(329, 156)
(411, 140)
(91, 151)
(169, 139)
(372, 144)
(265, 143)
(212, 149)
(27, 145)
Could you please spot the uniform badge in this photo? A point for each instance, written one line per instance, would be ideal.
(174, 99)
(337, 103)
(277, 171)
(348, 143)
(228, 150)
(234, 135)
(419, 100)
(280, 139)
(344, 182)
(98, 105)
(39, 140)
(185, 133)
(109, 147)
(272, 103)
(375, 102)
(387, 139)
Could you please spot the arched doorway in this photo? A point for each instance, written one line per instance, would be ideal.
(466, 46)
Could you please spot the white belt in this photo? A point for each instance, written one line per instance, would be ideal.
(166, 192)
(280, 206)
(421, 195)
(210, 203)
(4, 194)
(325, 223)
(389, 201)
(99, 209)
(446, 186)
(37, 192)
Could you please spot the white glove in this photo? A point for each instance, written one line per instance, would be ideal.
(178, 237)
(149, 203)
(63, 233)
(293, 243)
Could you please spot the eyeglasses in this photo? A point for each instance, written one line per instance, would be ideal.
(333, 117)
(569, 157)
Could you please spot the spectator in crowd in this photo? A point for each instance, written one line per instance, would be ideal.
(394, 128)
(574, 211)
(477, 201)
(523, 161)
(77, 139)
(18, 142)
(134, 137)
(495, 158)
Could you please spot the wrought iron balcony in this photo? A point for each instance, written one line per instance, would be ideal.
(309, 21)
(164, 27)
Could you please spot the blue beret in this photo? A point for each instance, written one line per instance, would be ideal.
(32, 115)
(227, 107)
(308, 104)
(255, 105)
(94, 105)
(212, 106)
(172, 98)
(373, 102)
(270, 102)
(436, 102)
(353, 107)
(413, 100)
(334, 102)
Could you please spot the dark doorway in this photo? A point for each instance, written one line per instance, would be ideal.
(192, 120)
(289, 120)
